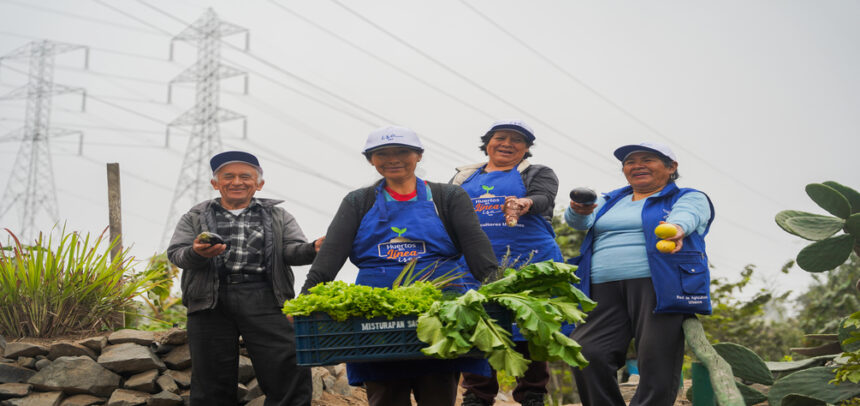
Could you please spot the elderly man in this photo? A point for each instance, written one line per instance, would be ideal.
(238, 287)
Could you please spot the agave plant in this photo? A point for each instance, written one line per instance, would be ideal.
(829, 249)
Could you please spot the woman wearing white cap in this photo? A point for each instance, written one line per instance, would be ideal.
(377, 227)
(642, 293)
(523, 232)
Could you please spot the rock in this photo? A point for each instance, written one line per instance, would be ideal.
(246, 369)
(42, 363)
(67, 349)
(76, 375)
(164, 398)
(14, 390)
(82, 400)
(241, 392)
(26, 362)
(317, 376)
(175, 336)
(10, 373)
(260, 401)
(2, 347)
(186, 396)
(161, 349)
(179, 358)
(129, 357)
(36, 399)
(131, 336)
(19, 349)
(340, 386)
(254, 391)
(182, 378)
(125, 397)
(142, 382)
(94, 343)
(167, 383)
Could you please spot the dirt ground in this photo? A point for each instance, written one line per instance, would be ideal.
(359, 398)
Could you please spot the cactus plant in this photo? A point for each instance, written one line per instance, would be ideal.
(812, 383)
(794, 399)
(829, 250)
(745, 363)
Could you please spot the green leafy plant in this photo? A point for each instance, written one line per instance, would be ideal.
(540, 295)
(161, 308)
(71, 287)
(829, 250)
(412, 293)
(487, 188)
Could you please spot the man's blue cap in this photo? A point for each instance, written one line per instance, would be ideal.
(517, 126)
(230, 157)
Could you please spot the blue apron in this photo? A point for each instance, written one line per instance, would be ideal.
(390, 235)
(533, 234)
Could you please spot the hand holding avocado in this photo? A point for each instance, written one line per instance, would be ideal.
(209, 245)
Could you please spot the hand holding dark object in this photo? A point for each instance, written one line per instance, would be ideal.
(582, 201)
(583, 195)
(209, 244)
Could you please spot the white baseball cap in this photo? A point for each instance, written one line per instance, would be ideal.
(392, 136)
(623, 152)
(517, 126)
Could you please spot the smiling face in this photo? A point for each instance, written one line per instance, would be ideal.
(506, 149)
(395, 164)
(237, 183)
(646, 172)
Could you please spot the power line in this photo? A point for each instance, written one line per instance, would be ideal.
(613, 104)
(476, 85)
(73, 15)
(384, 61)
(306, 82)
(105, 50)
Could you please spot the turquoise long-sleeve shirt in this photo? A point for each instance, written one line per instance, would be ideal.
(619, 243)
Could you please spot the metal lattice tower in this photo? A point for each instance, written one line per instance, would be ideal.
(31, 187)
(204, 118)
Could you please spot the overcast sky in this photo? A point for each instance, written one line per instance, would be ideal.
(757, 99)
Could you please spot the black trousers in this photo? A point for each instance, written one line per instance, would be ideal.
(249, 310)
(429, 390)
(624, 311)
(533, 381)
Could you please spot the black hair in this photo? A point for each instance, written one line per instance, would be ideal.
(369, 154)
(489, 135)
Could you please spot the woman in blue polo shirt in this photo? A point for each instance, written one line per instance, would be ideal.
(382, 227)
(642, 294)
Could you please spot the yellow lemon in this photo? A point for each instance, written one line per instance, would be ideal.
(665, 246)
(665, 230)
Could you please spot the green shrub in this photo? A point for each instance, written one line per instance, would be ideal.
(73, 287)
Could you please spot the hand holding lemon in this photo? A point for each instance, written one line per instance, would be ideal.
(671, 237)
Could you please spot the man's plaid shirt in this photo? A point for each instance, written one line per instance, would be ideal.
(245, 234)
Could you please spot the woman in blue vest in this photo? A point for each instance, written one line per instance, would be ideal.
(641, 293)
(507, 177)
(382, 227)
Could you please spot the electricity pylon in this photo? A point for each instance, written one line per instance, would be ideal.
(31, 187)
(204, 118)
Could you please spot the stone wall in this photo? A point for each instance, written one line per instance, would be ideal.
(125, 368)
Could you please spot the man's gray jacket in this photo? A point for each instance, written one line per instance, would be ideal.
(285, 245)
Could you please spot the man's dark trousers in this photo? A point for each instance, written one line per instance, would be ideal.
(250, 310)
